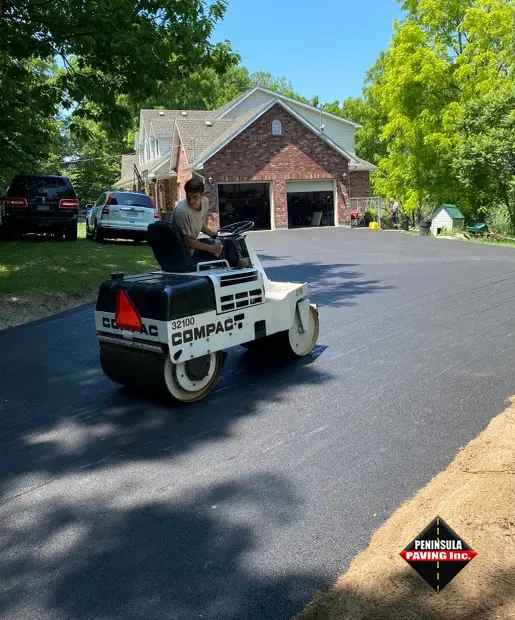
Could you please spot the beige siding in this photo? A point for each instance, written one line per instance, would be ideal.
(164, 145)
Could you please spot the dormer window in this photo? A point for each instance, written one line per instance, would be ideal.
(277, 127)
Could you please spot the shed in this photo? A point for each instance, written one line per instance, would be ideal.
(447, 218)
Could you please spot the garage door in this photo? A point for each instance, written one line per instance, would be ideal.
(244, 201)
(310, 203)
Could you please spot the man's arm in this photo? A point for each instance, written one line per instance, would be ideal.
(207, 230)
(195, 244)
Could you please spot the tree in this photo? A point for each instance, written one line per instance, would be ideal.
(485, 156)
(115, 46)
(92, 159)
(445, 56)
(28, 106)
(108, 53)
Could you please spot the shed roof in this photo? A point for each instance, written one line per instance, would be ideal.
(452, 211)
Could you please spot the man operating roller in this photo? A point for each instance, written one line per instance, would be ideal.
(191, 218)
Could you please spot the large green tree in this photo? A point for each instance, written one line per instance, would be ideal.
(447, 58)
(484, 159)
(28, 107)
(107, 52)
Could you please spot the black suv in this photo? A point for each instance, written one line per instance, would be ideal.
(41, 203)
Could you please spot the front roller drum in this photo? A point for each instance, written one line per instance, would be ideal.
(298, 341)
(301, 338)
(187, 382)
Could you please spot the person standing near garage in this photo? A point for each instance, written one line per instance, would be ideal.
(190, 216)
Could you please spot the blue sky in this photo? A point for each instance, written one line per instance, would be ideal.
(324, 48)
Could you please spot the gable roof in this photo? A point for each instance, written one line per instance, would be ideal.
(222, 109)
(203, 133)
(159, 123)
(243, 122)
(226, 110)
(196, 135)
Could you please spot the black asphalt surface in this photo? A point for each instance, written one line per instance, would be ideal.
(116, 506)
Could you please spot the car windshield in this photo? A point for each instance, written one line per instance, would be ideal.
(50, 187)
(127, 198)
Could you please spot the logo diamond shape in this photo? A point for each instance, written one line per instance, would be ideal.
(438, 554)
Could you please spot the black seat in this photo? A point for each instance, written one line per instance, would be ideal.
(169, 248)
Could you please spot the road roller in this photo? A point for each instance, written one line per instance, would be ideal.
(169, 330)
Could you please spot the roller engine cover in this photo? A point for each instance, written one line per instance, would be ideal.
(160, 296)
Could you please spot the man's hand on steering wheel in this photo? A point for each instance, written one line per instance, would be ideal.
(236, 229)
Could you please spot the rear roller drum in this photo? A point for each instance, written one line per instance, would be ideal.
(187, 382)
(190, 381)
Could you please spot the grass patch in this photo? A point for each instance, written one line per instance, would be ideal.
(507, 241)
(41, 266)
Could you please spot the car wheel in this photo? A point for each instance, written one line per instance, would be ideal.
(98, 234)
(70, 233)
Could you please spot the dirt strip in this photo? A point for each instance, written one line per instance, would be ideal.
(475, 495)
(19, 309)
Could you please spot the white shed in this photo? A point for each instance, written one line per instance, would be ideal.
(447, 218)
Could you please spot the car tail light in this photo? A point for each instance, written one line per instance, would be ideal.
(105, 210)
(17, 203)
(68, 203)
(127, 316)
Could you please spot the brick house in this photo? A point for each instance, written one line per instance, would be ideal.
(262, 156)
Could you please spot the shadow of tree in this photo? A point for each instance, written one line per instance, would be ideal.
(91, 527)
(120, 425)
(149, 554)
(335, 284)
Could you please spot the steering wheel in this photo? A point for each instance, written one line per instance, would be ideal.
(238, 228)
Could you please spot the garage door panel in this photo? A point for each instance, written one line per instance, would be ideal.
(312, 208)
(300, 187)
(245, 201)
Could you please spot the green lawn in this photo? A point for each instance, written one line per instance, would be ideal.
(70, 267)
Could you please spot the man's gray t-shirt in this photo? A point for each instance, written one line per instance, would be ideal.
(190, 221)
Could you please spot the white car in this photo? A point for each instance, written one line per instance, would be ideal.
(120, 215)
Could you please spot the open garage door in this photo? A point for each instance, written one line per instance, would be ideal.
(310, 203)
(244, 201)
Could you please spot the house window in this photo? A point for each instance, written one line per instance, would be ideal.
(277, 128)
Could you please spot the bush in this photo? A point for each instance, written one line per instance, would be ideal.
(498, 220)
(369, 216)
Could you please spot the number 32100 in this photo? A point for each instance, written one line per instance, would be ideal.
(182, 323)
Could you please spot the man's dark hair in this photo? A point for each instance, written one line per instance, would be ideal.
(194, 186)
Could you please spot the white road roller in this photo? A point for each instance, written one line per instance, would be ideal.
(168, 330)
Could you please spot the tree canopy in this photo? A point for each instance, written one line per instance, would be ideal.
(90, 59)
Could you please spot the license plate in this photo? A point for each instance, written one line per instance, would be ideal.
(43, 208)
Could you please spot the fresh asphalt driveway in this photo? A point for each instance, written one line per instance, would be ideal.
(116, 506)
